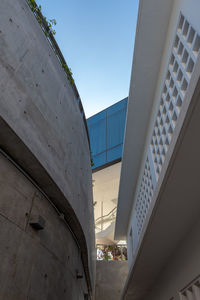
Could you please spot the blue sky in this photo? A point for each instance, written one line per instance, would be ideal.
(97, 39)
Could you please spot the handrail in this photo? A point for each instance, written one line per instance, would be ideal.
(103, 229)
(106, 219)
(100, 218)
(47, 31)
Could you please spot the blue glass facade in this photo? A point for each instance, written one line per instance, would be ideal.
(106, 132)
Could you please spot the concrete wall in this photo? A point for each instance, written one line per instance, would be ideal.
(41, 126)
(182, 267)
(34, 264)
(110, 279)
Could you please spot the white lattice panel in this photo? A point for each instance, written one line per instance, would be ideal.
(192, 292)
(184, 54)
(181, 65)
(144, 197)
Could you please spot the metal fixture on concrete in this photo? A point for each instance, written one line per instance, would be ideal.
(62, 216)
(79, 275)
(37, 222)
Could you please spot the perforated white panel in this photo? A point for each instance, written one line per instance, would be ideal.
(144, 197)
(184, 54)
(181, 65)
(192, 292)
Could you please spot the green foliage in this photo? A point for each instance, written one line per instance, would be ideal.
(32, 4)
(37, 10)
(53, 22)
(69, 73)
(91, 159)
(50, 24)
(39, 20)
(92, 162)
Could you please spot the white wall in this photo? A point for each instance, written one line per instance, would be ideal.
(190, 9)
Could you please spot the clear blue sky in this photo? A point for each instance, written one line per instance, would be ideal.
(97, 39)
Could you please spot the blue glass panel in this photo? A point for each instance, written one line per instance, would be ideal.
(114, 153)
(99, 160)
(118, 106)
(101, 115)
(106, 131)
(115, 128)
(97, 133)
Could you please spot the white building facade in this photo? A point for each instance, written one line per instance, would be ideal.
(158, 208)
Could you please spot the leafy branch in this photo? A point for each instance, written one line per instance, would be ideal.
(37, 10)
(69, 73)
(47, 26)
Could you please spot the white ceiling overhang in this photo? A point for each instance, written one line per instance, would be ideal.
(153, 18)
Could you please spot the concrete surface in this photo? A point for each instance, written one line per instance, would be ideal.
(110, 279)
(41, 126)
(182, 268)
(34, 264)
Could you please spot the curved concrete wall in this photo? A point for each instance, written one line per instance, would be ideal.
(41, 126)
(34, 264)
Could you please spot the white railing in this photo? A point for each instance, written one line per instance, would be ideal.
(103, 222)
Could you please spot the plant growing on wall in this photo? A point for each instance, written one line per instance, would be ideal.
(91, 159)
(47, 26)
(32, 4)
(51, 23)
(69, 73)
(37, 10)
